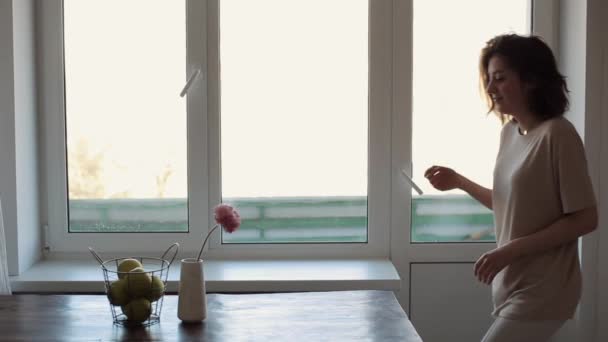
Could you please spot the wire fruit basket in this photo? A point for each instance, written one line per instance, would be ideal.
(135, 286)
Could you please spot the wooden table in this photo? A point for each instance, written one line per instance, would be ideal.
(305, 316)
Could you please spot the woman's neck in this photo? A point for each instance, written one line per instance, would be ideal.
(526, 121)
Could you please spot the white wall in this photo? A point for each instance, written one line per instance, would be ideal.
(18, 134)
(571, 51)
(26, 128)
(7, 133)
(596, 140)
(583, 59)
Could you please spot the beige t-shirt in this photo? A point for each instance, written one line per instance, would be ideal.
(538, 178)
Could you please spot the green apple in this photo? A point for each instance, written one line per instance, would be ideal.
(127, 265)
(156, 290)
(138, 282)
(138, 310)
(118, 292)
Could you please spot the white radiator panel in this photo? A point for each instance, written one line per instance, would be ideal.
(447, 303)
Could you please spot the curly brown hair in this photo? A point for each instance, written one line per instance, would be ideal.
(533, 61)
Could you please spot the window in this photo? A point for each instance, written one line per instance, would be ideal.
(304, 128)
(321, 220)
(294, 119)
(450, 125)
(133, 189)
(116, 132)
(125, 126)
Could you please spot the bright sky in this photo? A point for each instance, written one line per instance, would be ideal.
(450, 126)
(294, 92)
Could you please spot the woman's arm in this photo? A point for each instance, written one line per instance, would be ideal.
(478, 192)
(443, 178)
(568, 228)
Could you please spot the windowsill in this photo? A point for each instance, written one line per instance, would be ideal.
(63, 275)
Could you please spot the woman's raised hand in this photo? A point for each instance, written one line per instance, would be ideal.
(443, 178)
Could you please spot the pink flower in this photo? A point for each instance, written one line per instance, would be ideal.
(227, 217)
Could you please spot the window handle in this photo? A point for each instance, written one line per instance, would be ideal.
(191, 80)
(411, 181)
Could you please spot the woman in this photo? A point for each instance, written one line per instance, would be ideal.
(542, 197)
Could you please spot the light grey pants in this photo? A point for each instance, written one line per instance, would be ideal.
(506, 330)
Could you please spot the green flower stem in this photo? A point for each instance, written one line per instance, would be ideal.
(205, 242)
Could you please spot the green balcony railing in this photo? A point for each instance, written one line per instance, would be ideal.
(453, 218)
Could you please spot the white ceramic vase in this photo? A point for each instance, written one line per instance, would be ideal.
(192, 297)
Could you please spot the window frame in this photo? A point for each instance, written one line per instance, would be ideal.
(404, 252)
(54, 214)
(379, 127)
(203, 146)
(389, 198)
(538, 24)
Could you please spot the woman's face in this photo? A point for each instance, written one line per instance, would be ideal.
(505, 88)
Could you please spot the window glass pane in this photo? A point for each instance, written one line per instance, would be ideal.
(126, 124)
(294, 131)
(450, 125)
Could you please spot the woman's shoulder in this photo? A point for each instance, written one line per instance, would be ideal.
(559, 127)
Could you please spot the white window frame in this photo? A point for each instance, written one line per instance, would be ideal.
(379, 181)
(204, 146)
(389, 197)
(54, 183)
(541, 24)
